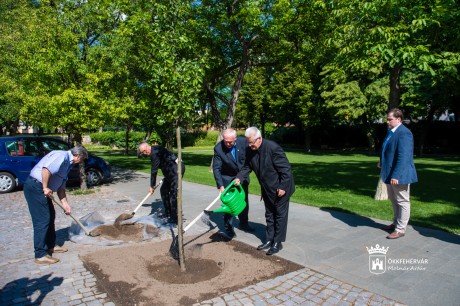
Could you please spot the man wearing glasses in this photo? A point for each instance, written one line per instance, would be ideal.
(273, 170)
(398, 171)
(229, 157)
(167, 162)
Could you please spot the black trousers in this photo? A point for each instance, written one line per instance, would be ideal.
(276, 216)
(168, 191)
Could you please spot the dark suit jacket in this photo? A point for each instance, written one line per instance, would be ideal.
(396, 160)
(166, 161)
(272, 168)
(224, 166)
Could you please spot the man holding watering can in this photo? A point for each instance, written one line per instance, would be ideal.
(273, 170)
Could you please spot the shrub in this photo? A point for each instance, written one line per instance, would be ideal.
(117, 139)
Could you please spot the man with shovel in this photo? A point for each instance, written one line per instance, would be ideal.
(167, 162)
(48, 176)
(229, 157)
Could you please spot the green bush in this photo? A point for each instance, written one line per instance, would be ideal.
(117, 139)
(199, 138)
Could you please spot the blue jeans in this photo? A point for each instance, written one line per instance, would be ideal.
(43, 214)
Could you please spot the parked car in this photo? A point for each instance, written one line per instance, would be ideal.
(19, 154)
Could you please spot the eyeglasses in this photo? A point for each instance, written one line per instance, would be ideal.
(254, 141)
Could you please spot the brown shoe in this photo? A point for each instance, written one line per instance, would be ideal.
(389, 227)
(395, 235)
(46, 260)
(57, 249)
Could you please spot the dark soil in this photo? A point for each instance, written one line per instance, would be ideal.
(125, 232)
(146, 273)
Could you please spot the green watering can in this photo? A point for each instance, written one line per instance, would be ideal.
(233, 200)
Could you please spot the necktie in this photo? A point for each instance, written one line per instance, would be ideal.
(234, 152)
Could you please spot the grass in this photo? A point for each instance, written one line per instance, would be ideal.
(342, 182)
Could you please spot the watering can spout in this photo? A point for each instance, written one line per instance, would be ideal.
(223, 209)
(233, 200)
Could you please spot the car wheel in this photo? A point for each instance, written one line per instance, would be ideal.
(7, 182)
(93, 177)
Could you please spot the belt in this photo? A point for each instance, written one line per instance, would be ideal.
(35, 180)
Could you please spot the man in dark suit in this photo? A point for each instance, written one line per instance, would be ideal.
(273, 170)
(398, 171)
(167, 162)
(229, 157)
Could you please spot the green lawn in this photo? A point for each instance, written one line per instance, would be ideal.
(344, 182)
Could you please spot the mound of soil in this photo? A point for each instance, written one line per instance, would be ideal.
(126, 232)
(146, 274)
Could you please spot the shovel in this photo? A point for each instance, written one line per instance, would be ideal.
(124, 217)
(88, 233)
(174, 248)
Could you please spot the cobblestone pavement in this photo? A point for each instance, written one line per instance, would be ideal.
(22, 282)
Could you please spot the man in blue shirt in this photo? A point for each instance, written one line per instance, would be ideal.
(48, 176)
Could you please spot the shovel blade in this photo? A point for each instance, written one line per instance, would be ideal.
(122, 218)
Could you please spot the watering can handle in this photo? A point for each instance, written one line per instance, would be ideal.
(228, 187)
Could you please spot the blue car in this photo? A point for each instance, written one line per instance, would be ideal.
(19, 154)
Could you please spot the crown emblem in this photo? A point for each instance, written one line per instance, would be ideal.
(377, 250)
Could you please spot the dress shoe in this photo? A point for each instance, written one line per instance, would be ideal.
(46, 260)
(265, 245)
(57, 249)
(229, 235)
(276, 247)
(389, 227)
(246, 227)
(395, 235)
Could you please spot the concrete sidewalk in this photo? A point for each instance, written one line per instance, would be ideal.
(421, 268)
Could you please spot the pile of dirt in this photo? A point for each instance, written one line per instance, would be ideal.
(146, 274)
(126, 232)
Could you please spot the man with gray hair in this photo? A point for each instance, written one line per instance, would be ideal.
(49, 175)
(273, 170)
(229, 157)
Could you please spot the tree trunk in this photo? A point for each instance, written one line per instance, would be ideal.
(179, 202)
(395, 87)
(83, 185)
(127, 140)
(381, 193)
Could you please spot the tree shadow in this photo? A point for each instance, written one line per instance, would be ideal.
(350, 218)
(437, 234)
(218, 220)
(124, 175)
(27, 288)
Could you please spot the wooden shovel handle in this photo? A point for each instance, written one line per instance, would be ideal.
(75, 219)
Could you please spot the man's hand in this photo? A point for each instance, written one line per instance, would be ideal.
(65, 204)
(280, 193)
(221, 189)
(394, 181)
(47, 192)
(152, 190)
(236, 182)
